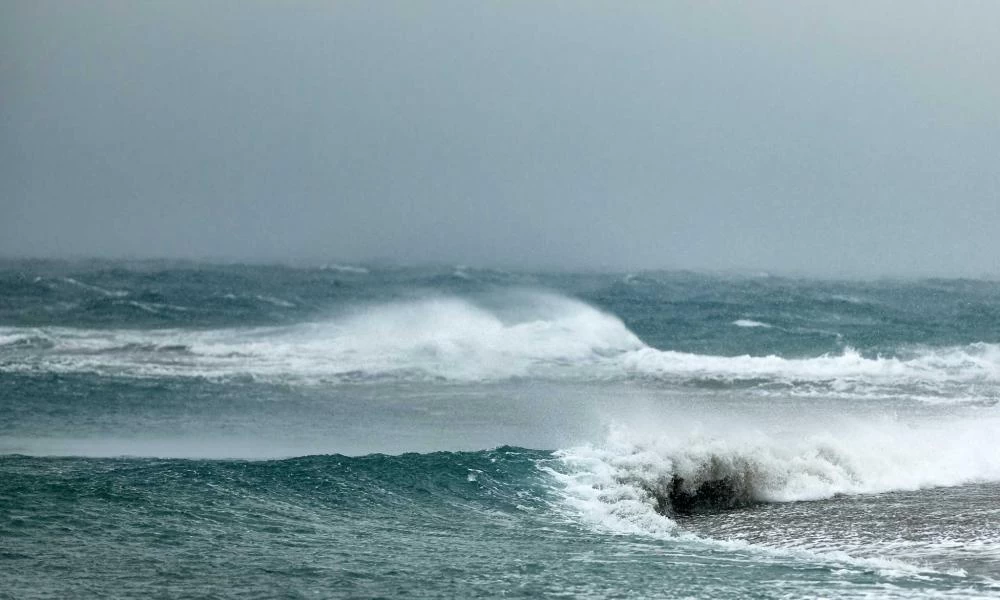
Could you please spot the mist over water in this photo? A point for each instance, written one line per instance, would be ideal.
(499, 299)
(821, 434)
(821, 139)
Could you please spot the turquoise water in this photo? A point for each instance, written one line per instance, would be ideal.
(185, 429)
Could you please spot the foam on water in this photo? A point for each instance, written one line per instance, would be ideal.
(442, 338)
(513, 335)
(975, 362)
(620, 486)
(851, 456)
(94, 288)
(749, 323)
(345, 269)
(7, 339)
(857, 462)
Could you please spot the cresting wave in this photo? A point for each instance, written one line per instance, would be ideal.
(641, 483)
(514, 335)
(647, 484)
(522, 334)
(978, 362)
(307, 501)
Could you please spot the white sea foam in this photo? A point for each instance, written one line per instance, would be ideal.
(345, 269)
(94, 288)
(441, 338)
(7, 339)
(809, 462)
(275, 301)
(972, 363)
(517, 335)
(612, 486)
(750, 323)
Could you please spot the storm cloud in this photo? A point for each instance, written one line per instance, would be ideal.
(821, 137)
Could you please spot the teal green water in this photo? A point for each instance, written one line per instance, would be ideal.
(190, 430)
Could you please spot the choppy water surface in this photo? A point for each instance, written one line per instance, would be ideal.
(184, 429)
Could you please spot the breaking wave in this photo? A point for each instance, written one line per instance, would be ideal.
(515, 335)
(750, 323)
(931, 369)
(524, 334)
(641, 483)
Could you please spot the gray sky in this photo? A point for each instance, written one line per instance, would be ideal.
(827, 137)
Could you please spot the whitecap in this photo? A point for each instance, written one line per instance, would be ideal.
(750, 323)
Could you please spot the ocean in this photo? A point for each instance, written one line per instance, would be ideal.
(184, 429)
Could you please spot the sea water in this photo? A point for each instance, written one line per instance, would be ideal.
(179, 429)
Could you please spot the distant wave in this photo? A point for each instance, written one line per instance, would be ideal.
(513, 335)
(749, 323)
(975, 362)
(94, 288)
(20, 339)
(447, 338)
(345, 269)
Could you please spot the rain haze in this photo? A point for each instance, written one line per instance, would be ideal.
(500, 299)
(828, 138)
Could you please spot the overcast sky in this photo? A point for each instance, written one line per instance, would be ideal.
(825, 137)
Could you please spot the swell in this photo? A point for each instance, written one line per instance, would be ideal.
(501, 479)
(626, 483)
(509, 335)
(515, 334)
(372, 513)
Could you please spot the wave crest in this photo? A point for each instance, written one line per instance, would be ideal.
(632, 479)
(503, 336)
(964, 374)
(514, 335)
